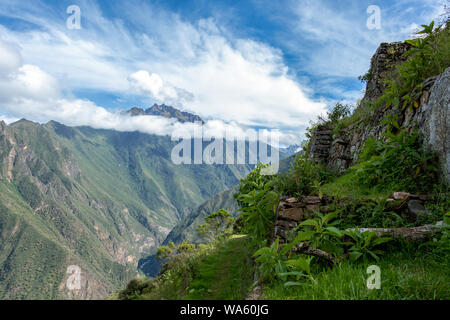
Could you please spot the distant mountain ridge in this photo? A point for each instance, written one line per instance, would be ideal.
(98, 199)
(291, 150)
(186, 228)
(167, 112)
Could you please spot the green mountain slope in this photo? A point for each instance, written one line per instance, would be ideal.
(186, 229)
(98, 199)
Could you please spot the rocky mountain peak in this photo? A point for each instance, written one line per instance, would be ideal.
(171, 112)
(136, 111)
(165, 111)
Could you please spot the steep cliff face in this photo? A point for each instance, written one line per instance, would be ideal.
(382, 64)
(434, 121)
(339, 150)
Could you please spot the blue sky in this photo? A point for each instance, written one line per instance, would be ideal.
(270, 64)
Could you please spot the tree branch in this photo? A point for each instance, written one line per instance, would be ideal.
(306, 249)
(415, 233)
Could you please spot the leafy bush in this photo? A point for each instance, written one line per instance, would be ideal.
(371, 214)
(338, 112)
(218, 226)
(323, 233)
(185, 247)
(134, 289)
(364, 245)
(164, 252)
(366, 77)
(303, 178)
(429, 57)
(399, 162)
(300, 269)
(258, 202)
(270, 261)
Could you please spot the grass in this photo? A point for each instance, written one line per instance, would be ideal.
(407, 274)
(225, 274)
(345, 186)
(220, 272)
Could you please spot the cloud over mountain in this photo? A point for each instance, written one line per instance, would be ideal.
(199, 65)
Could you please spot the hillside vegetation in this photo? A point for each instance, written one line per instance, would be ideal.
(98, 199)
(335, 224)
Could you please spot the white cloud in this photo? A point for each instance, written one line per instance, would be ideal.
(199, 65)
(152, 84)
(8, 119)
(29, 92)
(342, 43)
(144, 82)
(9, 58)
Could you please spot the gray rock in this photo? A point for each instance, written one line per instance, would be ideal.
(416, 208)
(432, 117)
(434, 121)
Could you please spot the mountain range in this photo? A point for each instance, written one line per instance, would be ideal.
(98, 199)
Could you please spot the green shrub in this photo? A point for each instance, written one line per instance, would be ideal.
(399, 162)
(364, 245)
(185, 247)
(269, 261)
(29, 191)
(303, 178)
(217, 227)
(134, 289)
(164, 252)
(258, 202)
(338, 112)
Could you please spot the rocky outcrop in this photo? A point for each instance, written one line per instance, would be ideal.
(320, 143)
(292, 211)
(434, 120)
(340, 150)
(383, 63)
(136, 112)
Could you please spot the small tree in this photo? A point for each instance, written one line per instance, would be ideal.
(185, 247)
(218, 226)
(338, 112)
(164, 252)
